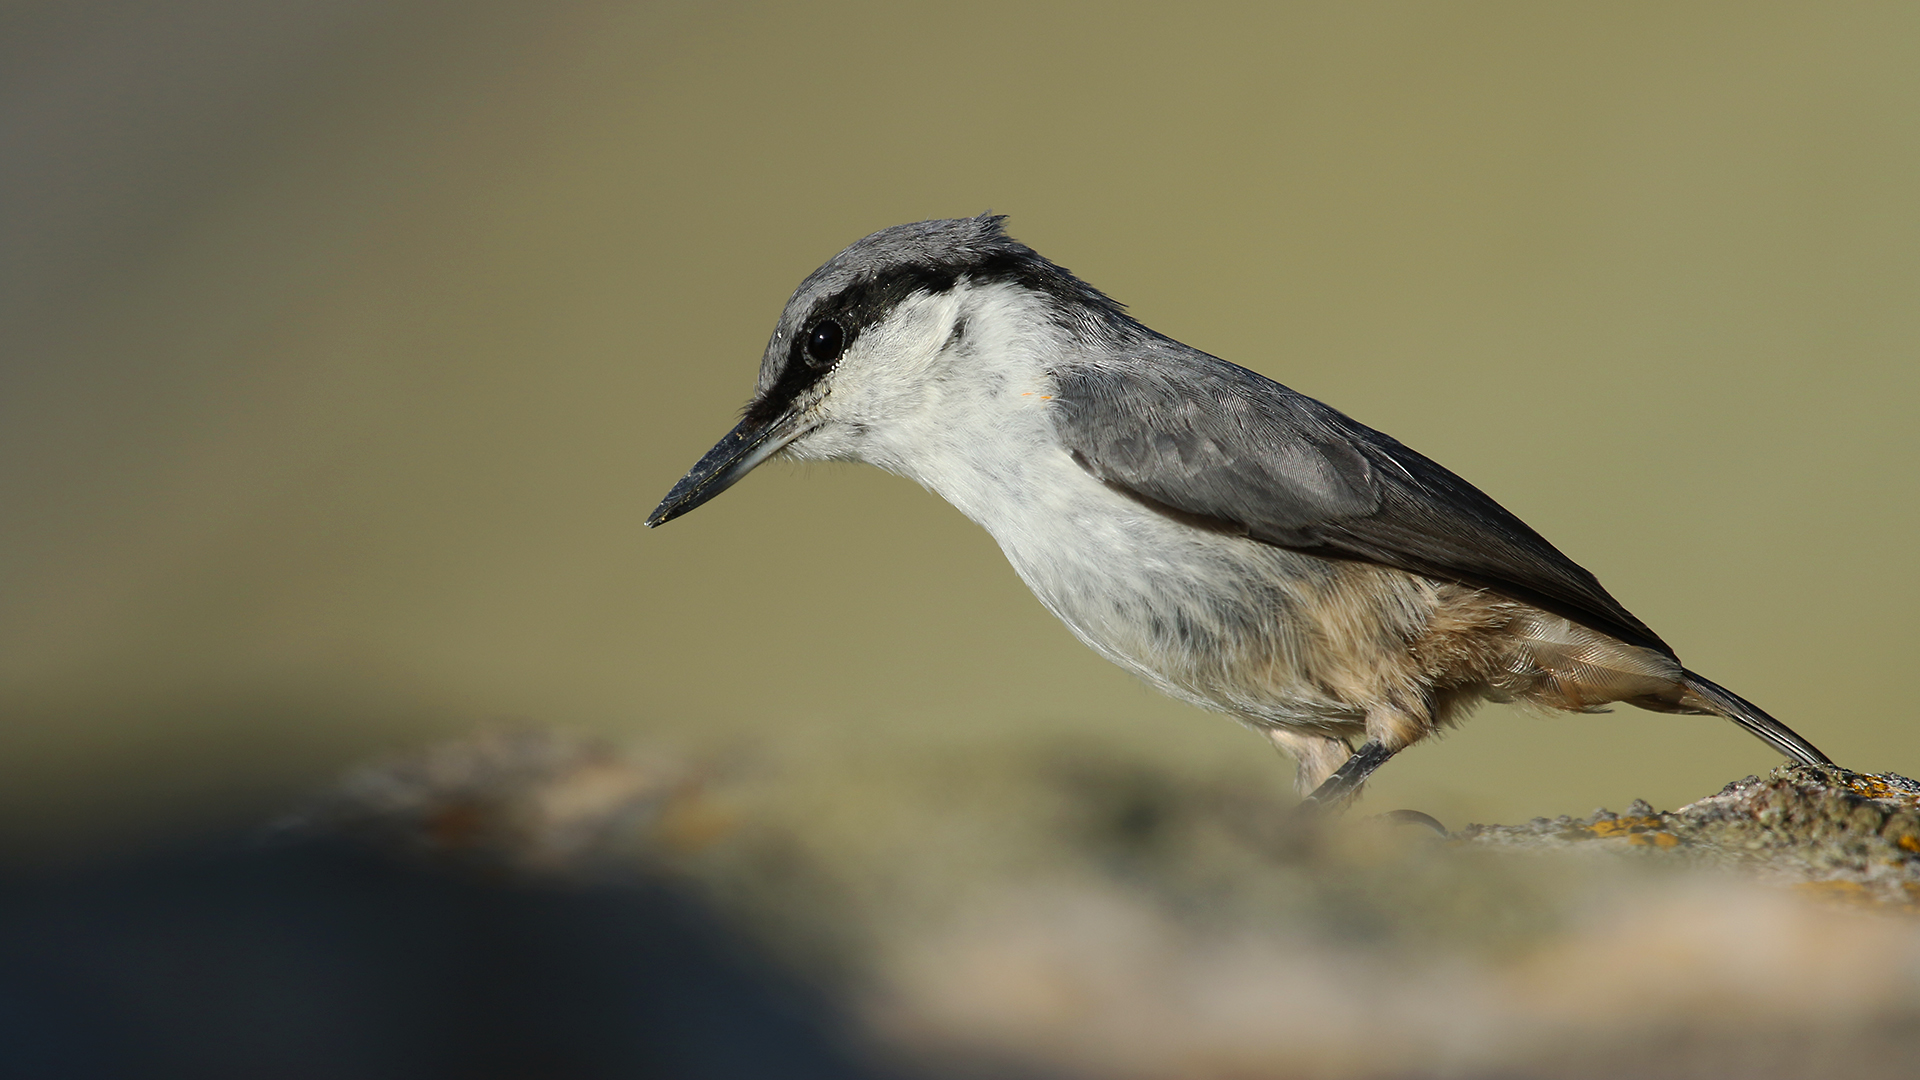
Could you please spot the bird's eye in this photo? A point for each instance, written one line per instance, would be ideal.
(824, 342)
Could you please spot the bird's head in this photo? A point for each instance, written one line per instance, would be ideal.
(870, 338)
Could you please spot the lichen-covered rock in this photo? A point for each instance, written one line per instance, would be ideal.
(1851, 835)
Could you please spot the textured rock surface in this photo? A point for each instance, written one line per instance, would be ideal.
(1849, 834)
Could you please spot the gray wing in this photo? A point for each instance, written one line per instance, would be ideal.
(1188, 431)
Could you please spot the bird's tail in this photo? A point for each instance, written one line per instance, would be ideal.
(1711, 697)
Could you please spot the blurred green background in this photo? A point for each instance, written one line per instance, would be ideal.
(345, 345)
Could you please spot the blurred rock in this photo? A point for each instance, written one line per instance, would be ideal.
(529, 799)
(1061, 913)
(435, 919)
(525, 903)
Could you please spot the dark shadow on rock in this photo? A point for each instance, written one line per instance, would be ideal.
(318, 958)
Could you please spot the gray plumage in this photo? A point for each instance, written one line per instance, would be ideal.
(1195, 433)
(1236, 544)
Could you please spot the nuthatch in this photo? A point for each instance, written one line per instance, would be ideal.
(1236, 544)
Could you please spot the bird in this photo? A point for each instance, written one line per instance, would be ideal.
(1234, 543)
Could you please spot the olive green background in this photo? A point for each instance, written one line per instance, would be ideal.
(345, 346)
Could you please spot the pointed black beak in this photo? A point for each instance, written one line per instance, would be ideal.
(751, 442)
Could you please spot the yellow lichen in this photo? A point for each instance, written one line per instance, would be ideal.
(1622, 826)
(1873, 787)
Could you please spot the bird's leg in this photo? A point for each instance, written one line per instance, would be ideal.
(1346, 780)
(1315, 757)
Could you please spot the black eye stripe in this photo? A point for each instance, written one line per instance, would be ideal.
(868, 300)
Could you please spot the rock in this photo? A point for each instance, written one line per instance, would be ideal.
(1852, 835)
(1048, 910)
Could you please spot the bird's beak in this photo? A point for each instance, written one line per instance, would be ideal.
(751, 442)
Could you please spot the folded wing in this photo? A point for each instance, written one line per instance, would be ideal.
(1185, 430)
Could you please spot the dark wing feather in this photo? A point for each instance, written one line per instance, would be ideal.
(1194, 433)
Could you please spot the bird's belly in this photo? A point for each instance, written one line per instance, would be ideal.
(1216, 619)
